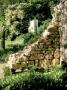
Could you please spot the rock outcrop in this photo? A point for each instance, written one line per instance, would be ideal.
(48, 50)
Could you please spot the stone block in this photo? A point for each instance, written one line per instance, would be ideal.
(40, 56)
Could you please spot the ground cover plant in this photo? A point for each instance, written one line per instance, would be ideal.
(53, 77)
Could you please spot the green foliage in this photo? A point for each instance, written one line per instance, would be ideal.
(18, 16)
(31, 38)
(64, 79)
(21, 41)
(5, 3)
(15, 18)
(43, 27)
(7, 71)
(27, 37)
(36, 81)
(65, 46)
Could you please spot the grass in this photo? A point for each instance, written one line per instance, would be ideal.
(55, 72)
(18, 44)
(35, 80)
(21, 41)
(11, 47)
(7, 71)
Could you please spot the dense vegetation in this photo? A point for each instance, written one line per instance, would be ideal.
(50, 78)
(4, 4)
(14, 21)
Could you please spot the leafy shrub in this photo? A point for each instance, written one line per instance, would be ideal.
(65, 46)
(13, 37)
(27, 37)
(43, 27)
(16, 48)
(7, 71)
(64, 79)
(4, 54)
(17, 16)
(64, 64)
(36, 81)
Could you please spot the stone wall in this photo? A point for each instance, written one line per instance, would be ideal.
(42, 53)
(49, 48)
(63, 29)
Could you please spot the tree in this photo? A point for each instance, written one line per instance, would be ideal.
(3, 38)
(17, 16)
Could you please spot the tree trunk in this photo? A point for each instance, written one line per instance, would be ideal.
(3, 40)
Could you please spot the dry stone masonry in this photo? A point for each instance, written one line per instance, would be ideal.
(49, 49)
